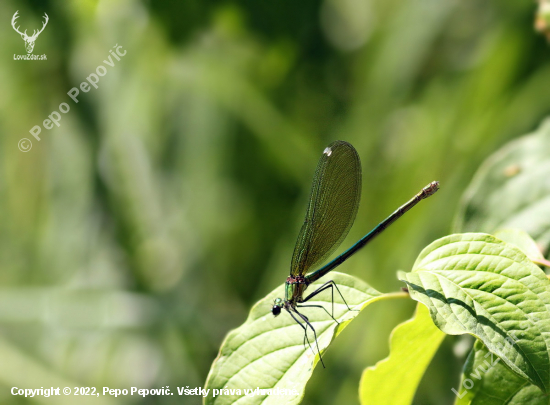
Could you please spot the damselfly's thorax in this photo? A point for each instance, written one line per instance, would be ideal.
(294, 292)
(294, 289)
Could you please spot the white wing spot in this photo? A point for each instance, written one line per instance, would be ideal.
(327, 151)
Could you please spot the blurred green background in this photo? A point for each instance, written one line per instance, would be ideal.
(138, 233)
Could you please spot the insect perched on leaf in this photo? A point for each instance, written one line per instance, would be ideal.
(332, 208)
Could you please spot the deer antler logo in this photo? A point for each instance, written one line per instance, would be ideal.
(29, 41)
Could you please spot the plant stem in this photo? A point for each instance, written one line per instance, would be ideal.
(394, 295)
(542, 262)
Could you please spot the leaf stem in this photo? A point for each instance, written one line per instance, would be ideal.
(394, 295)
(542, 262)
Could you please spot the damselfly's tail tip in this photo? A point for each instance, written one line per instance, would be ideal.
(430, 189)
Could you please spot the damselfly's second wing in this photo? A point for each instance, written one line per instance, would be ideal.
(332, 208)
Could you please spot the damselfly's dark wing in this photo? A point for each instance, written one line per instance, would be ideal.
(332, 208)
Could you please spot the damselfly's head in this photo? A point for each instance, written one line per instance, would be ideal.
(277, 306)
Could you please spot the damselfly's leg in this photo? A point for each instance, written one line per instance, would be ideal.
(319, 306)
(329, 284)
(306, 320)
(303, 327)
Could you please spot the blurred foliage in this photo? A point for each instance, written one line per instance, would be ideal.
(394, 380)
(542, 18)
(511, 190)
(140, 231)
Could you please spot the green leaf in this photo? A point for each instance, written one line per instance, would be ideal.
(481, 381)
(268, 352)
(526, 244)
(488, 381)
(483, 286)
(394, 380)
(511, 190)
(523, 241)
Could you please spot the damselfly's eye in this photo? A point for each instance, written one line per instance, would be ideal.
(276, 310)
